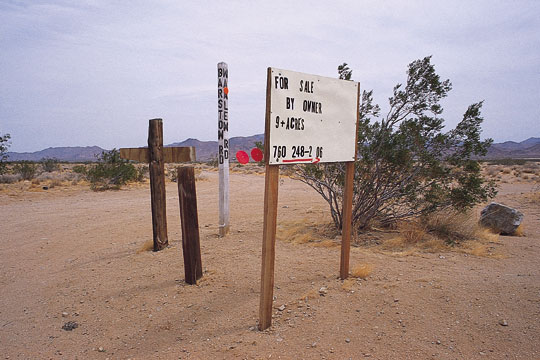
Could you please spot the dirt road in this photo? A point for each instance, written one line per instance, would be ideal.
(71, 255)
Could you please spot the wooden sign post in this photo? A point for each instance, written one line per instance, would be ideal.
(223, 147)
(190, 224)
(157, 184)
(309, 119)
(156, 156)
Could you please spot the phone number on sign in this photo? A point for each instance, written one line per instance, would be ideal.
(298, 153)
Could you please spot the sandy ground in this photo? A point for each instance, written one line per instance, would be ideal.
(72, 255)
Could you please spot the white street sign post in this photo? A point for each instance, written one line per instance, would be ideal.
(223, 147)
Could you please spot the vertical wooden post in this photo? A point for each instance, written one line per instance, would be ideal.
(271, 185)
(223, 147)
(347, 218)
(157, 184)
(190, 224)
(348, 193)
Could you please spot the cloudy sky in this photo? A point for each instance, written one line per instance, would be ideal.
(92, 72)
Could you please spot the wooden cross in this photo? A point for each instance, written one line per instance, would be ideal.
(156, 156)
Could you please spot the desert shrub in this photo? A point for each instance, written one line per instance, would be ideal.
(361, 271)
(492, 171)
(10, 178)
(50, 164)
(406, 166)
(199, 175)
(59, 176)
(213, 162)
(259, 145)
(412, 232)
(520, 231)
(307, 231)
(146, 246)
(55, 182)
(111, 172)
(530, 168)
(451, 226)
(26, 169)
(442, 231)
(4, 145)
(79, 169)
(142, 172)
(507, 162)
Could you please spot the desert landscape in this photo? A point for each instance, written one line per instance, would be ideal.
(78, 280)
(423, 115)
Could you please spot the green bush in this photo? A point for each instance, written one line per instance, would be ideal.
(4, 145)
(79, 169)
(260, 145)
(50, 164)
(111, 172)
(26, 169)
(142, 172)
(406, 165)
(213, 162)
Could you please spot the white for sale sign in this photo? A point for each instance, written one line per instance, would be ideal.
(312, 118)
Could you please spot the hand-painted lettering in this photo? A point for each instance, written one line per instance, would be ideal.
(280, 152)
(223, 73)
(312, 106)
(306, 86)
(290, 103)
(281, 82)
(294, 123)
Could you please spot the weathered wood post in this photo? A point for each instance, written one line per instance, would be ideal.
(190, 224)
(347, 221)
(223, 147)
(157, 184)
(269, 245)
(155, 155)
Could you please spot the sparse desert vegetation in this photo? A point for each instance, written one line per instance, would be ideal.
(507, 171)
(86, 279)
(379, 216)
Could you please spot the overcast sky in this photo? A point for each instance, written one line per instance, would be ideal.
(81, 73)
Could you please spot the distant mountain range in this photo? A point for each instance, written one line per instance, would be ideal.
(207, 150)
(71, 153)
(529, 148)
